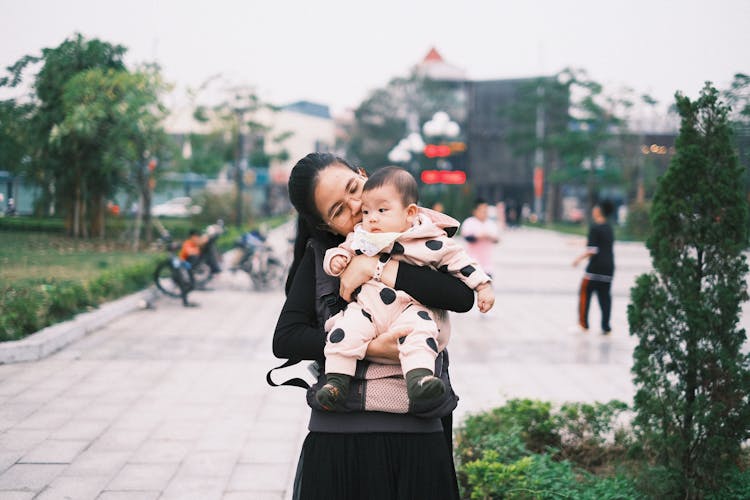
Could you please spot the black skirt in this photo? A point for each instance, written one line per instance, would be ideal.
(375, 466)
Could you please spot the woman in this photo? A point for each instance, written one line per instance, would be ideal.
(368, 454)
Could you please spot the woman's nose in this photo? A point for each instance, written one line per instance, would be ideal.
(355, 205)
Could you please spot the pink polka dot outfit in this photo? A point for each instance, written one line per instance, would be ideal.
(379, 308)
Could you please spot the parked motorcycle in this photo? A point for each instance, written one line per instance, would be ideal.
(254, 256)
(207, 264)
(176, 277)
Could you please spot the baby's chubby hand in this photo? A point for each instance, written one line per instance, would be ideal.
(338, 264)
(485, 297)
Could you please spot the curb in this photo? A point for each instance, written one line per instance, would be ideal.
(51, 339)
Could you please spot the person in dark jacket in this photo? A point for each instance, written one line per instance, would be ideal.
(597, 278)
(363, 455)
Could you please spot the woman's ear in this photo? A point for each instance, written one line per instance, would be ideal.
(361, 171)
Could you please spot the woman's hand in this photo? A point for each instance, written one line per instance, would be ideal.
(385, 345)
(359, 271)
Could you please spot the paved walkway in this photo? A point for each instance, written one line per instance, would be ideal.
(172, 403)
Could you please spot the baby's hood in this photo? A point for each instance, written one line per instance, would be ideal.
(444, 222)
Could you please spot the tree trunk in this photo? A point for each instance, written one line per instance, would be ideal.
(77, 210)
(149, 234)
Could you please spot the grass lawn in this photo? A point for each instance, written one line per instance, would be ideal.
(32, 255)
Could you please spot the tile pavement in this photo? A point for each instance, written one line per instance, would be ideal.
(172, 403)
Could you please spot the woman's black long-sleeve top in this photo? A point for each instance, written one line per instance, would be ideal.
(297, 335)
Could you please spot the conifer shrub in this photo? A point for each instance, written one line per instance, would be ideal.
(692, 378)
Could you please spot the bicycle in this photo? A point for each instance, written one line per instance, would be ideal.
(259, 261)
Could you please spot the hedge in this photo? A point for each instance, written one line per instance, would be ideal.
(30, 305)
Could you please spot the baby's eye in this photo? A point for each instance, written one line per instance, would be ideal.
(382, 210)
(365, 212)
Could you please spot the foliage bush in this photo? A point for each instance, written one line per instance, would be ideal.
(690, 370)
(638, 224)
(30, 305)
(541, 477)
(528, 449)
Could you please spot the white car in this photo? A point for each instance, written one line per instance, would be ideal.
(181, 206)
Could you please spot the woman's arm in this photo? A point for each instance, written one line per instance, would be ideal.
(297, 335)
(433, 288)
(428, 286)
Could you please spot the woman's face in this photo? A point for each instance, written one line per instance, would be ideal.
(338, 198)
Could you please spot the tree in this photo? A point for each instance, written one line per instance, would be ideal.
(111, 122)
(738, 97)
(89, 121)
(693, 381)
(581, 123)
(14, 145)
(381, 120)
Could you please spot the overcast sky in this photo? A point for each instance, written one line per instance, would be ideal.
(335, 52)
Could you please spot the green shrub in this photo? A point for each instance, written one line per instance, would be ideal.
(638, 225)
(30, 305)
(20, 311)
(528, 449)
(589, 436)
(541, 477)
(66, 298)
(531, 421)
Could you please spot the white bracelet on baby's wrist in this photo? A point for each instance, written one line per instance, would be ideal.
(382, 261)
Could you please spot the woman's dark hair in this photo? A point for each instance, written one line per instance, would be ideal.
(302, 183)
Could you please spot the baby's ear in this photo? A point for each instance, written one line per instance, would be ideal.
(411, 211)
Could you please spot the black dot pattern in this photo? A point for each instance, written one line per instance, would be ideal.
(358, 252)
(356, 292)
(401, 340)
(336, 336)
(384, 257)
(434, 244)
(424, 315)
(387, 295)
(450, 231)
(398, 248)
(443, 268)
(431, 342)
(366, 315)
(467, 271)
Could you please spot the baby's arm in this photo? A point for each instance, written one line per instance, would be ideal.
(454, 260)
(485, 297)
(336, 260)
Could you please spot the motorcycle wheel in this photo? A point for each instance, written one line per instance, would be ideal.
(201, 273)
(166, 278)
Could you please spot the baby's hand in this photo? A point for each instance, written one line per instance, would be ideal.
(485, 297)
(338, 264)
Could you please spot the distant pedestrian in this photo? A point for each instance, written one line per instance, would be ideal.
(600, 269)
(438, 207)
(481, 235)
(11, 207)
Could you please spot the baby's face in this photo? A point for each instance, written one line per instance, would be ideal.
(384, 212)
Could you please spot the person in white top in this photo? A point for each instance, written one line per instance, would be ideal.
(481, 235)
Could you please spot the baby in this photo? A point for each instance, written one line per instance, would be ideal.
(394, 227)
